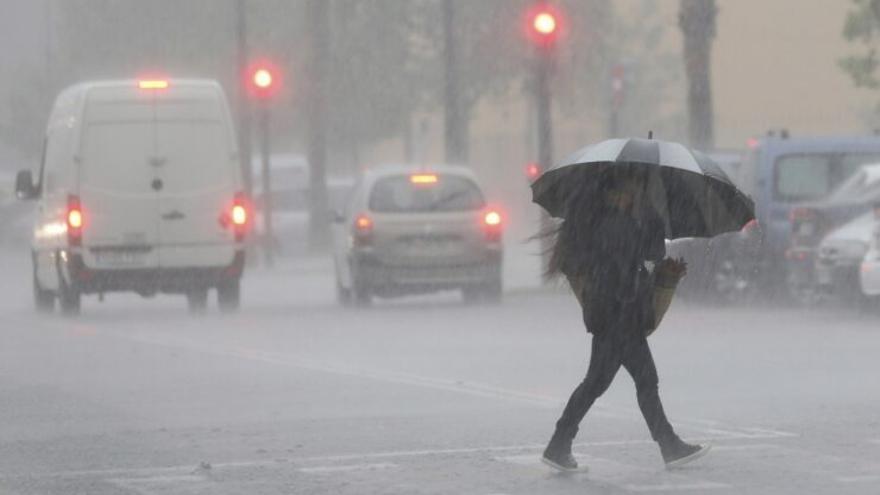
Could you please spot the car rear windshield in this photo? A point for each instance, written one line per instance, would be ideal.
(399, 194)
(805, 177)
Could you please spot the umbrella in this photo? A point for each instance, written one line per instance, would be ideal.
(691, 193)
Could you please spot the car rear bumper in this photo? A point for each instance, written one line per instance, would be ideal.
(839, 278)
(379, 275)
(88, 280)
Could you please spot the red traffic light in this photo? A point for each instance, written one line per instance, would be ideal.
(262, 79)
(543, 24)
(533, 171)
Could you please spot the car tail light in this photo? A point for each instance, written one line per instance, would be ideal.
(362, 230)
(75, 220)
(492, 225)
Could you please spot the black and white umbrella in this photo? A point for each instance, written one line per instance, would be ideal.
(690, 191)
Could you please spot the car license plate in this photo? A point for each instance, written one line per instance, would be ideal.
(807, 229)
(120, 257)
(823, 275)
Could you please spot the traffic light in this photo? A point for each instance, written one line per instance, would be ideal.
(543, 24)
(533, 171)
(263, 80)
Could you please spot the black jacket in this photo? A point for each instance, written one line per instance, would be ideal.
(610, 252)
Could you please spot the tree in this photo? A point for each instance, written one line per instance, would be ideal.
(862, 28)
(697, 23)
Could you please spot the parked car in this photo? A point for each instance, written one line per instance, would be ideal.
(812, 221)
(720, 268)
(840, 256)
(869, 271)
(780, 173)
(408, 231)
(139, 190)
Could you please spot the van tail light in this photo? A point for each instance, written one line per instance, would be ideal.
(492, 225)
(362, 230)
(75, 220)
(240, 216)
(237, 216)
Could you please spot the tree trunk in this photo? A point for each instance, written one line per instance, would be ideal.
(455, 120)
(319, 40)
(697, 23)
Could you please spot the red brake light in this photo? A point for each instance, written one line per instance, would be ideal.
(363, 223)
(492, 225)
(75, 220)
(492, 218)
(239, 215)
(153, 84)
(363, 230)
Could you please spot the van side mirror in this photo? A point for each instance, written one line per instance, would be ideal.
(24, 185)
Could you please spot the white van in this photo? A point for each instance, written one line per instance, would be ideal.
(139, 189)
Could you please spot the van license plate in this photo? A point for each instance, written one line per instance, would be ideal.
(118, 258)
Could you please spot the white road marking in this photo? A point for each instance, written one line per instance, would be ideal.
(748, 446)
(866, 478)
(348, 468)
(676, 487)
(712, 428)
(140, 485)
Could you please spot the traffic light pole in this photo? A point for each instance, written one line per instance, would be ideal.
(543, 110)
(265, 148)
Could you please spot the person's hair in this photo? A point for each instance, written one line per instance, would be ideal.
(580, 214)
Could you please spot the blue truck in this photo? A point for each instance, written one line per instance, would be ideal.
(781, 172)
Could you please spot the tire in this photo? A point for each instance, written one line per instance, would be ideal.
(70, 301)
(197, 301)
(343, 295)
(44, 300)
(361, 293)
(487, 292)
(492, 291)
(229, 296)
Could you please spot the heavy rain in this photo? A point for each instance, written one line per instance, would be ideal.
(439, 247)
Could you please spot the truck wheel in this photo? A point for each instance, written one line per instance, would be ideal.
(229, 296)
(489, 292)
(361, 293)
(343, 295)
(44, 300)
(197, 300)
(492, 291)
(70, 301)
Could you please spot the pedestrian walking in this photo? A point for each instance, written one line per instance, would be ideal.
(620, 200)
(602, 252)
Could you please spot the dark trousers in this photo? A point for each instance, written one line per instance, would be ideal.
(612, 349)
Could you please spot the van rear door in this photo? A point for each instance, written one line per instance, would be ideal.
(198, 172)
(116, 188)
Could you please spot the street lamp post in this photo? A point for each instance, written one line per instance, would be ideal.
(264, 85)
(543, 29)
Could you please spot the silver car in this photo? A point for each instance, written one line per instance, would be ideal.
(407, 231)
